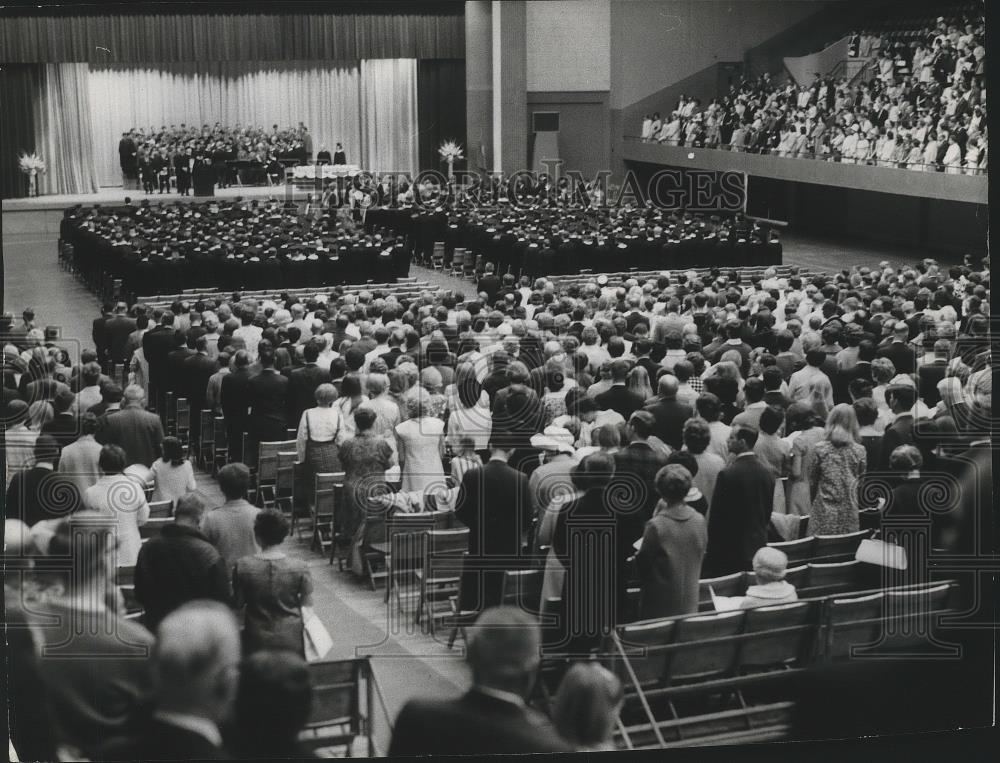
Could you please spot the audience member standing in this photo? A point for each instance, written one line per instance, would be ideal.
(173, 475)
(740, 510)
(179, 565)
(320, 435)
(95, 669)
(673, 546)
(122, 497)
(196, 669)
(493, 716)
(494, 503)
(137, 431)
(79, 460)
(267, 392)
(230, 527)
(38, 492)
(670, 414)
(837, 467)
(271, 589)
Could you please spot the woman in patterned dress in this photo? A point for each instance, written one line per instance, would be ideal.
(838, 463)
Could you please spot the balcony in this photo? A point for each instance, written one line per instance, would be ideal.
(970, 188)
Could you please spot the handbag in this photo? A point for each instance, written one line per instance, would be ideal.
(874, 551)
(316, 638)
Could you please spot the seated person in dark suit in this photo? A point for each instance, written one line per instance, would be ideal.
(195, 664)
(492, 717)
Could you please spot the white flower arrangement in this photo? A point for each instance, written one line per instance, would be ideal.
(450, 151)
(31, 163)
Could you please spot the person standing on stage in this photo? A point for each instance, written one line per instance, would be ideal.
(339, 157)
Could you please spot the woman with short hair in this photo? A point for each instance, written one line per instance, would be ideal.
(317, 445)
(124, 498)
(271, 589)
(673, 546)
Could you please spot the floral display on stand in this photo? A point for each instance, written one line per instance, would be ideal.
(450, 151)
(31, 165)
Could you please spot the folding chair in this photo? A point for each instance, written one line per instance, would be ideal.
(267, 469)
(284, 486)
(834, 578)
(323, 509)
(220, 443)
(852, 622)
(169, 413)
(161, 509)
(182, 418)
(206, 439)
(725, 585)
(785, 635)
(710, 655)
(339, 714)
(443, 556)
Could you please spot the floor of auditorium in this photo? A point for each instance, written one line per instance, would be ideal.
(408, 662)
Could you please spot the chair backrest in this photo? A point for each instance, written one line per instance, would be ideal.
(267, 459)
(327, 484)
(640, 641)
(153, 527)
(834, 577)
(160, 509)
(206, 430)
(918, 601)
(336, 694)
(405, 533)
(447, 542)
(839, 547)
(725, 585)
(183, 412)
(219, 431)
(870, 519)
(523, 589)
(707, 653)
(784, 634)
(285, 472)
(796, 550)
(125, 575)
(853, 622)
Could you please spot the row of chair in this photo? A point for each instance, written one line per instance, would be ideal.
(746, 273)
(822, 549)
(667, 664)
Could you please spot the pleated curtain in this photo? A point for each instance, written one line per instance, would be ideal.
(370, 108)
(64, 135)
(389, 131)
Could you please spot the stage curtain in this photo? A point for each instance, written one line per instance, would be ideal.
(389, 108)
(348, 32)
(63, 133)
(18, 85)
(440, 109)
(326, 97)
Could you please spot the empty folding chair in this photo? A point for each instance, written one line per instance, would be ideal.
(160, 509)
(797, 551)
(341, 707)
(852, 623)
(838, 548)
(783, 636)
(710, 655)
(443, 555)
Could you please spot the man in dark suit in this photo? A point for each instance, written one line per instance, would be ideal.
(741, 508)
(133, 428)
(618, 397)
(302, 383)
(40, 492)
(899, 350)
(176, 380)
(492, 717)
(183, 169)
(900, 399)
(669, 413)
(268, 394)
(64, 426)
(196, 371)
(931, 372)
(180, 565)
(489, 284)
(195, 665)
(494, 504)
(235, 400)
(99, 333)
(156, 343)
(117, 329)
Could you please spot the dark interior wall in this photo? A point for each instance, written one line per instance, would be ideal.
(925, 224)
(18, 86)
(584, 128)
(440, 109)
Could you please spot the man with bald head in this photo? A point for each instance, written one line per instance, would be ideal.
(491, 718)
(135, 429)
(668, 412)
(196, 673)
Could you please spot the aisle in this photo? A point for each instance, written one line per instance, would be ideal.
(406, 664)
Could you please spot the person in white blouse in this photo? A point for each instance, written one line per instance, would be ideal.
(321, 431)
(122, 497)
(421, 445)
(953, 157)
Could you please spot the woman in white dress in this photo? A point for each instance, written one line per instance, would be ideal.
(421, 445)
(123, 498)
